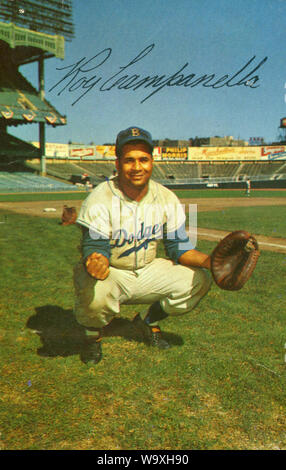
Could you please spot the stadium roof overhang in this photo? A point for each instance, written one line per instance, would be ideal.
(11, 147)
(20, 102)
(28, 46)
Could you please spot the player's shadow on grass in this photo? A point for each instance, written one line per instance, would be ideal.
(124, 328)
(61, 334)
(58, 330)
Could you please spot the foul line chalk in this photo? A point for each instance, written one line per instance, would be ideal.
(218, 237)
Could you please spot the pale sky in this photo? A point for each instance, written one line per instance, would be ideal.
(184, 41)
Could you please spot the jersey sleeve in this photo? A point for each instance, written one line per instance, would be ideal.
(95, 216)
(90, 245)
(177, 243)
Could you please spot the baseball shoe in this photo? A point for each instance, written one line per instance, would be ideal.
(153, 334)
(92, 351)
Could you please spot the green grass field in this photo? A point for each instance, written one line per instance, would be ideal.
(221, 386)
(265, 220)
(181, 193)
(42, 197)
(227, 193)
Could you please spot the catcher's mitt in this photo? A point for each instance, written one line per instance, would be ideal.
(69, 215)
(234, 259)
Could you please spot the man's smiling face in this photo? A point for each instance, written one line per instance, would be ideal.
(134, 166)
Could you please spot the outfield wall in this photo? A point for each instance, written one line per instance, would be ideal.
(237, 153)
(260, 184)
(98, 152)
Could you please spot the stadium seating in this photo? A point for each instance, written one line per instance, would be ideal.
(267, 168)
(172, 171)
(100, 169)
(66, 170)
(27, 182)
(175, 170)
(60, 170)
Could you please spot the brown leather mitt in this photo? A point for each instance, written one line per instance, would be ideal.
(234, 259)
(69, 215)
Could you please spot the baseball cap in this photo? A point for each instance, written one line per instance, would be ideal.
(133, 134)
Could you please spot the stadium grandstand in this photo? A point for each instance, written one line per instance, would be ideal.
(68, 173)
(25, 182)
(25, 37)
(205, 165)
(177, 174)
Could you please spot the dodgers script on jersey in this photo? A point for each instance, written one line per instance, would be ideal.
(132, 228)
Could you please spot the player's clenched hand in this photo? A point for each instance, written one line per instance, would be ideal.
(97, 265)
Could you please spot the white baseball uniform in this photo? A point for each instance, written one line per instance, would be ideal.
(127, 233)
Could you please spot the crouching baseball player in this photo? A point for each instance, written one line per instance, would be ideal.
(123, 220)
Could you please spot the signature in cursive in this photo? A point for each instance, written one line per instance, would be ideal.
(87, 73)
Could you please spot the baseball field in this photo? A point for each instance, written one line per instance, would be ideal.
(221, 386)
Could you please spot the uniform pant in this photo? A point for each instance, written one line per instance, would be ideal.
(178, 288)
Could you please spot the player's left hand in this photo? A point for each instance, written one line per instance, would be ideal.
(97, 265)
(234, 259)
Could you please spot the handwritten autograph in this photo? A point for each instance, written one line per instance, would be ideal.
(81, 76)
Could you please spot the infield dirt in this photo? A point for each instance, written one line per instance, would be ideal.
(38, 208)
